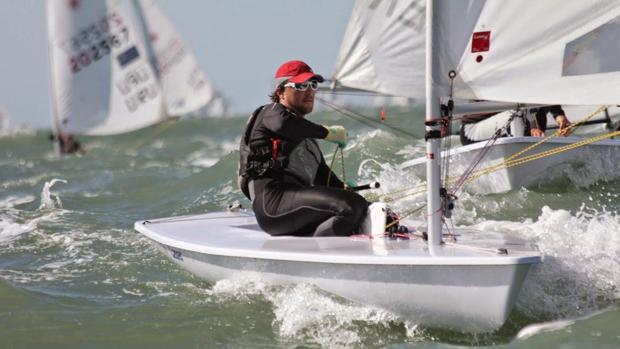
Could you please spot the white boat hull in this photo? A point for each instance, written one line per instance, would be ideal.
(601, 158)
(467, 287)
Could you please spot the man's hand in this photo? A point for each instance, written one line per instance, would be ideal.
(536, 132)
(336, 134)
(350, 184)
(564, 124)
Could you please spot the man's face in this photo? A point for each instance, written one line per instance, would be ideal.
(302, 102)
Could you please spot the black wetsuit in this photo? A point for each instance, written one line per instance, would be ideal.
(295, 199)
(540, 122)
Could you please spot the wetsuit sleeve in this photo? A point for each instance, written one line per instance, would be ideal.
(292, 127)
(321, 177)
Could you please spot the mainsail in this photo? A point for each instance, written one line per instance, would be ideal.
(101, 81)
(547, 52)
(185, 86)
(383, 48)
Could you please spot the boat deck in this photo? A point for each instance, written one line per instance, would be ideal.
(238, 234)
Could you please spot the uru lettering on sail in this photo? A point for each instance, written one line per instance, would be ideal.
(138, 87)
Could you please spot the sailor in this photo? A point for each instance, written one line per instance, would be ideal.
(282, 170)
(67, 143)
(481, 127)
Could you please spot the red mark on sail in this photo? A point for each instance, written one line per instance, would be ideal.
(480, 41)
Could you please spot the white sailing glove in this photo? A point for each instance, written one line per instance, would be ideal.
(336, 134)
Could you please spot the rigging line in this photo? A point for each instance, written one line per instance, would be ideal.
(388, 198)
(479, 157)
(359, 117)
(331, 164)
(344, 175)
(357, 93)
(540, 155)
(446, 125)
(404, 215)
(345, 113)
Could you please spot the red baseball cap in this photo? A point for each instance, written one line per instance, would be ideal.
(297, 72)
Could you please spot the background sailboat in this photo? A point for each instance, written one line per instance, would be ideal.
(101, 80)
(106, 79)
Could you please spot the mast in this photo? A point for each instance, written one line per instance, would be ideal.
(51, 94)
(433, 139)
(143, 29)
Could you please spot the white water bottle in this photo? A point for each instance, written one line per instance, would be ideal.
(374, 224)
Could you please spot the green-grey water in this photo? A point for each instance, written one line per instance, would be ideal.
(74, 273)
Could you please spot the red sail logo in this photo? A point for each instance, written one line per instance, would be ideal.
(480, 41)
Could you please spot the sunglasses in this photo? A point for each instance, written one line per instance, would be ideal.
(314, 85)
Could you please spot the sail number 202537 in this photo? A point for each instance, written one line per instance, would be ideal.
(98, 50)
(97, 40)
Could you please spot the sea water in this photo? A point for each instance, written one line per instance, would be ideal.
(74, 273)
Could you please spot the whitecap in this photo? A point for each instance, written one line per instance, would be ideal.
(48, 199)
(304, 311)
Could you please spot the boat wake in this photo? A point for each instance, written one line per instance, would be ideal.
(302, 311)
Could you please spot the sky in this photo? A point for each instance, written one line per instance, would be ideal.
(238, 43)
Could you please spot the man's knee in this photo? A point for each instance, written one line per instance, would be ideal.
(355, 207)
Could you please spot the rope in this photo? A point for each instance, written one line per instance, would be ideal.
(366, 120)
(344, 174)
(404, 215)
(478, 158)
(387, 196)
(543, 154)
(331, 165)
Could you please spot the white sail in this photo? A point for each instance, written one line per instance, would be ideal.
(551, 52)
(101, 81)
(185, 86)
(383, 48)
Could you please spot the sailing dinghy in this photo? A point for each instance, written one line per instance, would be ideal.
(468, 282)
(383, 49)
(101, 80)
(110, 76)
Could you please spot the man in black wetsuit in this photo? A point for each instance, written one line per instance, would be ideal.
(282, 170)
(481, 127)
